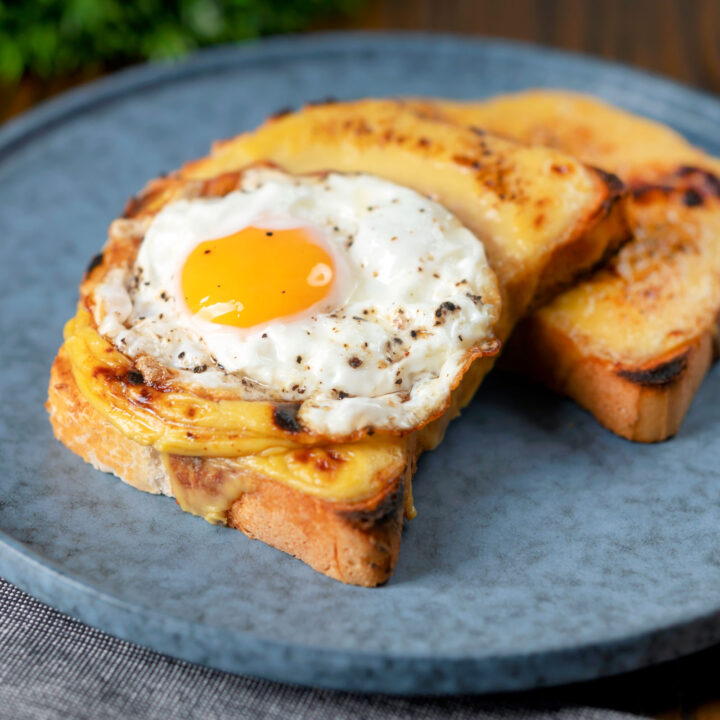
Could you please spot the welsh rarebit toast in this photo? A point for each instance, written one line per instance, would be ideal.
(632, 342)
(336, 502)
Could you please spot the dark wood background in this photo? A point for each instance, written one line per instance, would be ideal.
(678, 38)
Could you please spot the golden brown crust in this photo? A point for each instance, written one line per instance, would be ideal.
(643, 391)
(358, 546)
(82, 429)
(602, 234)
(643, 403)
(356, 543)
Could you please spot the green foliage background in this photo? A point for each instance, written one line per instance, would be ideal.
(54, 37)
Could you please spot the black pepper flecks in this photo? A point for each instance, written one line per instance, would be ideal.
(355, 362)
(200, 368)
(445, 308)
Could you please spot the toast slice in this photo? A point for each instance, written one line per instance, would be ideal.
(632, 342)
(497, 188)
(634, 148)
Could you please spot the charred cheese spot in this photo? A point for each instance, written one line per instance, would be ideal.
(95, 261)
(285, 417)
(327, 461)
(134, 377)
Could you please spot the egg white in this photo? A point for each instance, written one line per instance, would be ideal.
(413, 294)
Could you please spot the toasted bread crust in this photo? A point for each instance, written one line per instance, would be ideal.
(602, 235)
(356, 543)
(643, 403)
(645, 394)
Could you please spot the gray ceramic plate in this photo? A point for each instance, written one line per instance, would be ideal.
(546, 550)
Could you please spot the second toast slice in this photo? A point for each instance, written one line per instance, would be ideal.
(632, 342)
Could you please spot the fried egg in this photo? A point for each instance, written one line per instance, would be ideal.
(359, 298)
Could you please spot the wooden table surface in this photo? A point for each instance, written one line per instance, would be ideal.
(678, 38)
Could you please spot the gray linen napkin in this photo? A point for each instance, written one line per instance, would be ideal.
(52, 666)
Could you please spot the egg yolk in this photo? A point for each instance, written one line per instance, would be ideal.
(256, 275)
